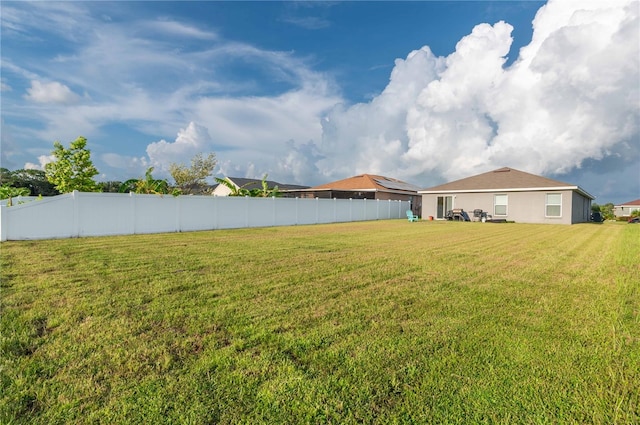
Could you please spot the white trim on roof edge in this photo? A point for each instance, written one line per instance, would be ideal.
(513, 189)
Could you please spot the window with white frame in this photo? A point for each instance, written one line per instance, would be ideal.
(553, 205)
(500, 204)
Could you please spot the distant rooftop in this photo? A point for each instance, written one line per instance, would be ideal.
(368, 182)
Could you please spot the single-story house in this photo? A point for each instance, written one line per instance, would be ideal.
(626, 209)
(512, 195)
(365, 186)
(250, 184)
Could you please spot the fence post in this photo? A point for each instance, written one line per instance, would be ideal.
(246, 211)
(275, 210)
(350, 209)
(178, 226)
(4, 222)
(364, 209)
(132, 213)
(216, 208)
(75, 232)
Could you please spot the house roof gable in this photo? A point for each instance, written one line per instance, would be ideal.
(634, 203)
(503, 179)
(257, 184)
(368, 182)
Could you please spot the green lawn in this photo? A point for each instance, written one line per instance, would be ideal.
(370, 322)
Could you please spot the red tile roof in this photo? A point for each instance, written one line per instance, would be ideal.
(368, 182)
(636, 202)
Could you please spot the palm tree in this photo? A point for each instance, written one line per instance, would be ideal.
(235, 190)
(265, 192)
(148, 185)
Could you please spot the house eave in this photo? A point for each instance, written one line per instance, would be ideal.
(512, 189)
(401, 192)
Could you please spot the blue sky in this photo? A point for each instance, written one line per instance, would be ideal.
(311, 92)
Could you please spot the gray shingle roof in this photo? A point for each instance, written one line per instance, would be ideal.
(502, 179)
(257, 184)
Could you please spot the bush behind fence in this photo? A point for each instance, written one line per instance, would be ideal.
(80, 214)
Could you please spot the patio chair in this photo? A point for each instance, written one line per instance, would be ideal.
(412, 217)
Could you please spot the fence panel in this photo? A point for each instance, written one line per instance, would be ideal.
(42, 219)
(261, 212)
(154, 214)
(196, 213)
(103, 214)
(16, 200)
(286, 211)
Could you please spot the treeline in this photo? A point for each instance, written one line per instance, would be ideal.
(33, 180)
(72, 169)
(606, 210)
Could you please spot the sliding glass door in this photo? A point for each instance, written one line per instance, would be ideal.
(445, 203)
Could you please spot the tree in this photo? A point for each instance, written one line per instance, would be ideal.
(147, 185)
(5, 176)
(35, 180)
(607, 211)
(265, 192)
(7, 191)
(72, 168)
(111, 186)
(235, 190)
(191, 179)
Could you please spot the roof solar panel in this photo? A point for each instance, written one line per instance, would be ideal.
(397, 185)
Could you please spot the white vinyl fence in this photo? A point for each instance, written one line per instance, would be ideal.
(18, 200)
(81, 214)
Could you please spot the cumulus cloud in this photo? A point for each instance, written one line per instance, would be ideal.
(569, 99)
(571, 95)
(299, 164)
(53, 92)
(190, 141)
(132, 165)
(42, 161)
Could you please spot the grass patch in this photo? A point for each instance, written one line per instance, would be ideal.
(371, 322)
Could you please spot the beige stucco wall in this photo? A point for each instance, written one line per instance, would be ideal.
(522, 207)
(221, 190)
(625, 210)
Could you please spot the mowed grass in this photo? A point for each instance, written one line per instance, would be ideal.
(371, 322)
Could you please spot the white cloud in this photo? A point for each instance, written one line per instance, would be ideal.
(155, 86)
(190, 141)
(123, 161)
(42, 161)
(572, 95)
(175, 28)
(308, 22)
(53, 92)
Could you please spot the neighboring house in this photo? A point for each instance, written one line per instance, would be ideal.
(626, 209)
(366, 186)
(249, 184)
(511, 195)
